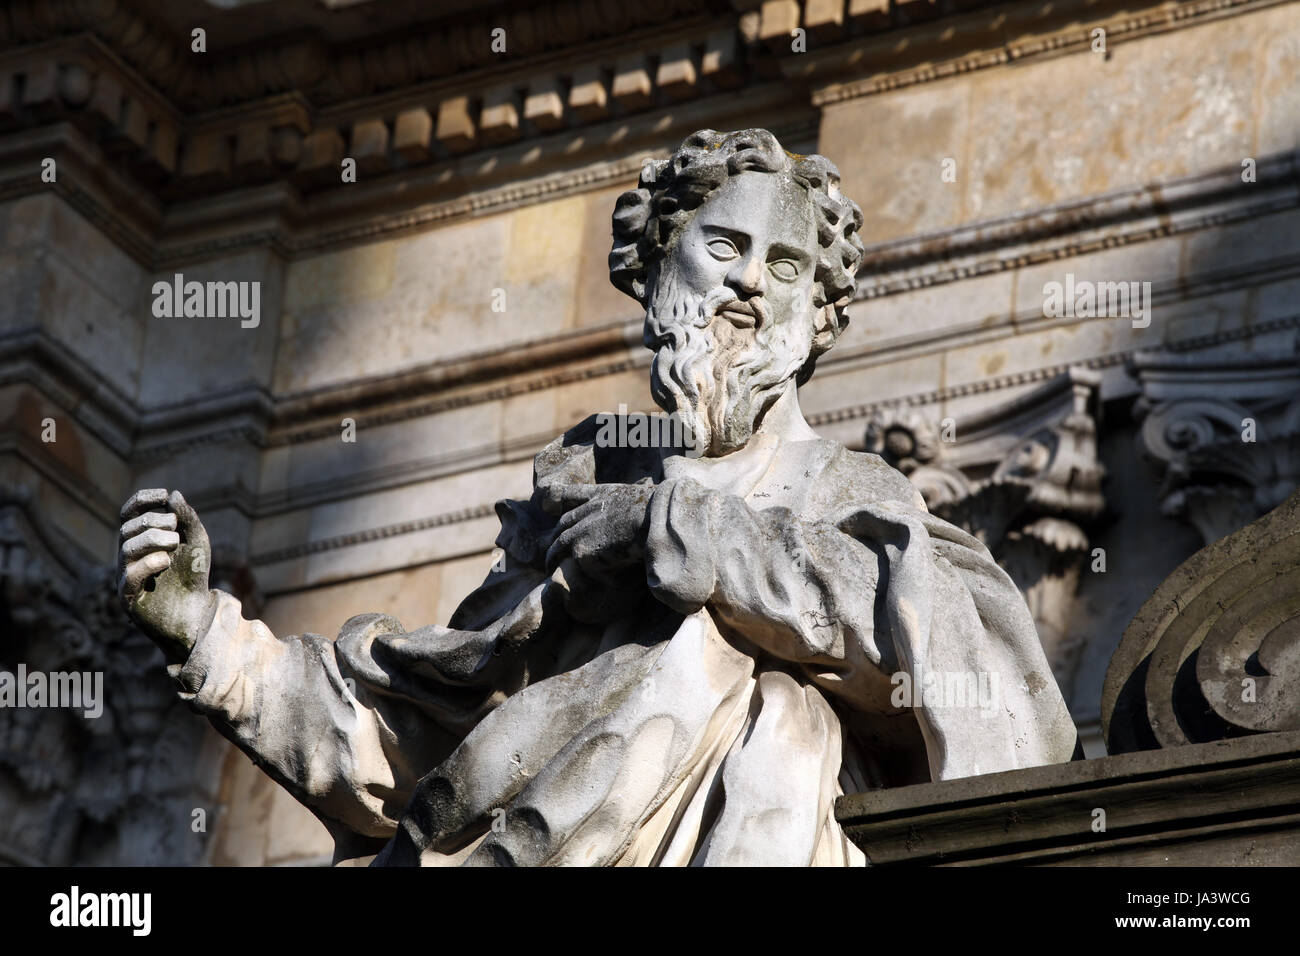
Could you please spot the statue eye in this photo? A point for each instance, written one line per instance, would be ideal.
(723, 248)
(785, 270)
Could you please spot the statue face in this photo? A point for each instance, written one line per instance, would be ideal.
(754, 235)
(730, 314)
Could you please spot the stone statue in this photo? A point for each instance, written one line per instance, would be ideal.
(684, 658)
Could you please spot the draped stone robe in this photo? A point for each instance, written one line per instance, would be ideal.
(705, 706)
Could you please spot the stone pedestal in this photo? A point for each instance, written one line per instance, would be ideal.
(1226, 803)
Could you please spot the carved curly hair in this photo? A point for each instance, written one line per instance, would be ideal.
(648, 219)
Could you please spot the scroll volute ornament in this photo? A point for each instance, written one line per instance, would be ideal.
(1215, 652)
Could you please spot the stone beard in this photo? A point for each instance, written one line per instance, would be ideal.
(717, 377)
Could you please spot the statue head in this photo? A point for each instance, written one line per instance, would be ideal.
(743, 256)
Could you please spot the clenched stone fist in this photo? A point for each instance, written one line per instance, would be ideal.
(163, 569)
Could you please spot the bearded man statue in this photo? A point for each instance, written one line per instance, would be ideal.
(687, 654)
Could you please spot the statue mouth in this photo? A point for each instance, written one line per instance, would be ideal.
(743, 315)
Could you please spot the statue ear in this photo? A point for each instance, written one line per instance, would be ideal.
(626, 263)
(828, 322)
(824, 327)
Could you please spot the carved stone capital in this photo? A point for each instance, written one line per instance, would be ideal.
(1039, 453)
(1224, 435)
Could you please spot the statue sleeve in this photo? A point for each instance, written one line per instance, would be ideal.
(978, 681)
(801, 590)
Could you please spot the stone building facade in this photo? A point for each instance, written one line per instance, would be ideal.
(417, 197)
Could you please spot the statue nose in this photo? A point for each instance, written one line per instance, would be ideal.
(749, 276)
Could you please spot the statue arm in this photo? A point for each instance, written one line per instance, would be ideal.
(802, 590)
(349, 726)
(346, 726)
(297, 710)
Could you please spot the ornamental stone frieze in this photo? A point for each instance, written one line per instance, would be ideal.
(1222, 432)
(119, 775)
(1024, 478)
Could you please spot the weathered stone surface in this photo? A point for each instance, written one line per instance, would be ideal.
(455, 128)
(632, 87)
(721, 60)
(676, 74)
(207, 349)
(412, 134)
(1074, 101)
(369, 146)
(588, 96)
(543, 105)
(499, 121)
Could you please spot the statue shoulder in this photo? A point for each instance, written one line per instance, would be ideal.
(586, 454)
(603, 448)
(570, 458)
(855, 476)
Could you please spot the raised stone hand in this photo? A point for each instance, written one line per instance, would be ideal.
(604, 528)
(163, 569)
(599, 548)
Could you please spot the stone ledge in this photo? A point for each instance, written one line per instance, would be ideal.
(1231, 802)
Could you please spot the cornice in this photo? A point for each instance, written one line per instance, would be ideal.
(1231, 802)
(371, 534)
(1123, 217)
(415, 47)
(994, 383)
(175, 185)
(279, 129)
(1019, 33)
(281, 216)
(488, 137)
(262, 505)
